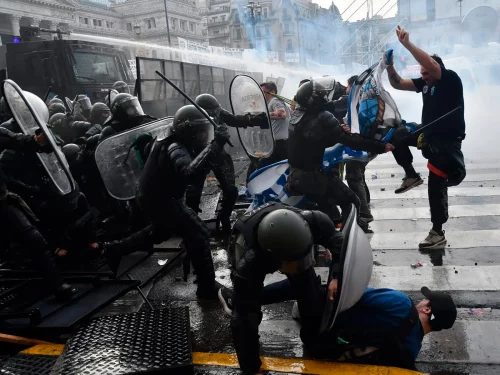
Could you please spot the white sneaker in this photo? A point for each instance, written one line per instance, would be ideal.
(433, 241)
(295, 311)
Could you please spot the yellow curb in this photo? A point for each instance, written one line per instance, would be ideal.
(300, 366)
(289, 365)
(52, 349)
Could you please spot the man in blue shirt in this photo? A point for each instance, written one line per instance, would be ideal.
(440, 143)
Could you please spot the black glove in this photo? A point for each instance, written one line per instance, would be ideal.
(261, 120)
(221, 135)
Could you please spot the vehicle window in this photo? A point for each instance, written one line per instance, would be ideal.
(92, 67)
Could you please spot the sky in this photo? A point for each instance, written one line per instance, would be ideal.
(361, 13)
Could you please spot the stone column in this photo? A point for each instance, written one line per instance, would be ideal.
(14, 20)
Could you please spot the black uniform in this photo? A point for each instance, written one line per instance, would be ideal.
(161, 188)
(248, 275)
(310, 132)
(18, 221)
(223, 168)
(441, 143)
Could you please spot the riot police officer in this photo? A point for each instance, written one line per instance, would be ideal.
(222, 166)
(19, 222)
(121, 87)
(312, 129)
(172, 162)
(56, 108)
(126, 113)
(277, 237)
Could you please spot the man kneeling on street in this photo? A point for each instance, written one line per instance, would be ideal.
(382, 326)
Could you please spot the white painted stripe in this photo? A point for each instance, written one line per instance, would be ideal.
(422, 193)
(396, 181)
(409, 213)
(456, 239)
(396, 169)
(409, 279)
(441, 278)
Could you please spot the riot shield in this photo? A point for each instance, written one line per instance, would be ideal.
(246, 96)
(120, 163)
(356, 266)
(29, 120)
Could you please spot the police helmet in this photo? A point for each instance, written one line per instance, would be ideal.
(209, 103)
(56, 108)
(124, 106)
(287, 236)
(57, 119)
(55, 100)
(121, 87)
(38, 105)
(192, 127)
(71, 151)
(316, 92)
(99, 113)
(84, 102)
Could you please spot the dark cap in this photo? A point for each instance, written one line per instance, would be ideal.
(443, 309)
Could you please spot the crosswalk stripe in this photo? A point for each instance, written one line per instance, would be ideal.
(441, 278)
(409, 213)
(456, 239)
(452, 192)
(495, 176)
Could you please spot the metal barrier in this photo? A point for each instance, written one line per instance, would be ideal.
(159, 99)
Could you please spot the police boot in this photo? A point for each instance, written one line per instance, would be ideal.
(204, 267)
(65, 292)
(112, 251)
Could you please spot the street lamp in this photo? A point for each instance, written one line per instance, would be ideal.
(253, 15)
(297, 11)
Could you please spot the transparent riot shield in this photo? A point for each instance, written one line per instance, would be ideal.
(120, 163)
(356, 266)
(246, 96)
(30, 121)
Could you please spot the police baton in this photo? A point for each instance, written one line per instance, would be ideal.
(47, 94)
(192, 102)
(426, 126)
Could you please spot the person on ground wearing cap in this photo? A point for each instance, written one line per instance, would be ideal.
(276, 237)
(384, 327)
(441, 143)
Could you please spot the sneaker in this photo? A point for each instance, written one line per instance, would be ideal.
(226, 300)
(295, 311)
(433, 241)
(409, 183)
(209, 291)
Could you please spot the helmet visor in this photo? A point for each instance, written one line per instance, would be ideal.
(204, 133)
(131, 108)
(85, 104)
(324, 86)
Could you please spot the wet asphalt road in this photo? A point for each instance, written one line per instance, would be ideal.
(471, 347)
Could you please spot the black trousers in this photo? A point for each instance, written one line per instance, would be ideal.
(280, 153)
(173, 217)
(223, 169)
(247, 315)
(18, 227)
(355, 176)
(445, 158)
